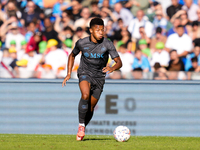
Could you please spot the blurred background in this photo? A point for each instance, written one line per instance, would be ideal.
(157, 40)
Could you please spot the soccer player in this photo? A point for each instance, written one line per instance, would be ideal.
(92, 70)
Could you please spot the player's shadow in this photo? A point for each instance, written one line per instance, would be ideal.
(91, 139)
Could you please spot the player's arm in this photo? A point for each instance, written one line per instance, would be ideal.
(118, 65)
(69, 68)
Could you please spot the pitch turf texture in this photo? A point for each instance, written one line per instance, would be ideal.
(92, 142)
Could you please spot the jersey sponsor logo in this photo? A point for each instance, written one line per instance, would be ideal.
(96, 55)
(93, 55)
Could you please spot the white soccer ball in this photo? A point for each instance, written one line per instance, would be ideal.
(122, 133)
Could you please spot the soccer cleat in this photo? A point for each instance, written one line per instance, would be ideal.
(81, 133)
(79, 138)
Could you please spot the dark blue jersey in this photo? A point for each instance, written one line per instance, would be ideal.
(94, 56)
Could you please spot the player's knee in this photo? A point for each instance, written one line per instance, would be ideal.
(85, 96)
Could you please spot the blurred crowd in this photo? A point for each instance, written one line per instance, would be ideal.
(156, 39)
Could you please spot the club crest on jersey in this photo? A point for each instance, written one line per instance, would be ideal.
(103, 49)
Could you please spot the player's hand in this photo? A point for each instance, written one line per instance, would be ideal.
(65, 80)
(108, 70)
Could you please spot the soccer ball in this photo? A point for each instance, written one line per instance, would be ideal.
(122, 133)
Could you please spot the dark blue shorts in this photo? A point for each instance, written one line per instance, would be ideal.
(95, 83)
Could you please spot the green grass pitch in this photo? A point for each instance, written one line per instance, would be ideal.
(95, 142)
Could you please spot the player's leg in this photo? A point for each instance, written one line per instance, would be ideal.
(95, 95)
(92, 104)
(83, 103)
(83, 107)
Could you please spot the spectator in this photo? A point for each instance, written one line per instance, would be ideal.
(136, 5)
(6, 70)
(126, 39)
(2, 15)
(175, 63)
(198, 14)
(109, 33)
(127, 60)
(174, 8)
(160, 21)
(154, 6)
(176, 23)
(179, 41)
(191, 9)
(13, 44)
(59, 7)
(31, 29)
(159, 72)
(67, 33)
(23, 72)
(32, 61)
(11, 10)
(79, 34)
(184, 19)
(160, 55)
(182, 14)
(140, 62)
(49, 32)
(195, 66)
(56, 57)
(195, 33)
(143, 35)
(30, 15)
(137, 73)
(144, 48)
(46, 72)
(95, 9)
(158, 38)
(123, 13)
(42, 47)
(118, 29)
(22, 51)
(138, 22)
(196, 53)
(35, 40)
(66, 20)
(76, 10)
(84, 21)
(14, 35)
(13, 65)
(5, 27)
(106, 4)
(67, 46)
(106, 15)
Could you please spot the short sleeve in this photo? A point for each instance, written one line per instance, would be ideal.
(76, 49)
(112, 51)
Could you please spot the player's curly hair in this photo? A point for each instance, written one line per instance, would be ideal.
(96, 21)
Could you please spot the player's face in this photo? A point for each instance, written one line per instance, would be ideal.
(97, 31)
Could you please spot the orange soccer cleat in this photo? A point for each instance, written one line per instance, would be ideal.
(81, 133)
